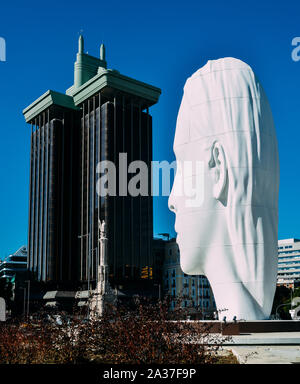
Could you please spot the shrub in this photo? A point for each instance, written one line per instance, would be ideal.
(148, 333)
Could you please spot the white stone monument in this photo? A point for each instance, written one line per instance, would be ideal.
(103, 293)
(2, 309)
(225, 124)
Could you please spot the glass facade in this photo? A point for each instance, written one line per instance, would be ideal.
(65, 209)
(52, 219)
(118, 126)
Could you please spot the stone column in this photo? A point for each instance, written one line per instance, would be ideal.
(103, 292)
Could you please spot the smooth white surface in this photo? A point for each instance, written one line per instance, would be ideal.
(226, 123)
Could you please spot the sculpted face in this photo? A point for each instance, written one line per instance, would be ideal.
(195, 225)
(225, 193)
(197, 196)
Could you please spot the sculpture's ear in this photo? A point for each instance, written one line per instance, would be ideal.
(218, 166)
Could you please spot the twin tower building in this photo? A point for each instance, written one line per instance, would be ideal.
(102, 115)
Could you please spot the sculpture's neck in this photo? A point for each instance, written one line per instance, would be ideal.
(235, 300)
(244, 288)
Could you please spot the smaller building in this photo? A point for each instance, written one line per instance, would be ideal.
(288, 262)
(193, 291)
(14, 264)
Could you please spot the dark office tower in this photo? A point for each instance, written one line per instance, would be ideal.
(55, 129)
(102, 115)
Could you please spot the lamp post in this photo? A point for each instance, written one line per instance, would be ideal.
(292, 291)
(159, 290)
(24, 308)
(28, 296)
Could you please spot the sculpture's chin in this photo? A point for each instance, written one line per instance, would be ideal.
(190, 261)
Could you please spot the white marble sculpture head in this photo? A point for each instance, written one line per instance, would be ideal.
(225, 122)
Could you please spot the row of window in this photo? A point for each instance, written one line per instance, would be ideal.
(288, 264)
(288, 269)
(288, 252)
(172, 273)
(172, 282)
(187, 303)
(288, 258)
(287, 246)
(202, 293)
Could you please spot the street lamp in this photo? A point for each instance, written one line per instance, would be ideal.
(24, 308)
(292, 291)
(28, 296)
(159, 290)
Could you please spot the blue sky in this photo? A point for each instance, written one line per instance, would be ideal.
(159, 42)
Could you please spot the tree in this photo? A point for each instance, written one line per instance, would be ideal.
(282, 296)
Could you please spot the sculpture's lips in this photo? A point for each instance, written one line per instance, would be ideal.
(178, 233)
(176, 227)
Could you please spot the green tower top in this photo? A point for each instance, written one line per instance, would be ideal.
(91, 76)
(102, 52)
(86, 66)
(80, 44)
